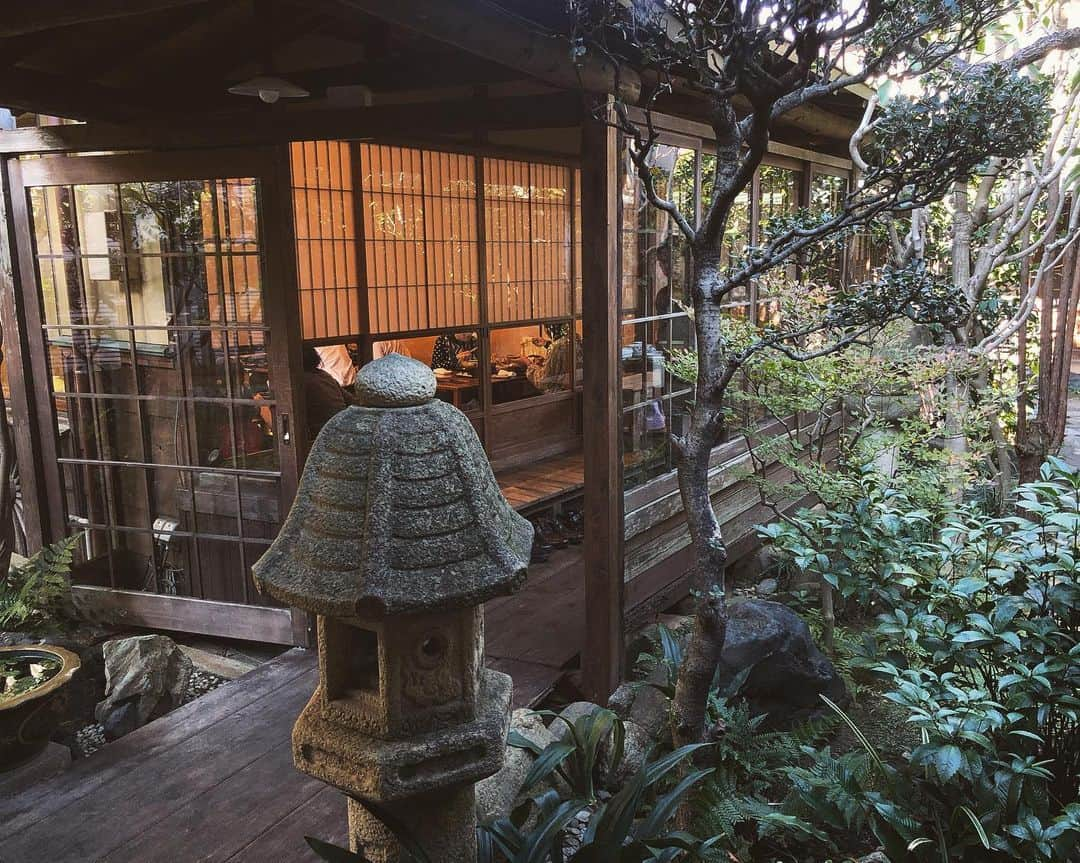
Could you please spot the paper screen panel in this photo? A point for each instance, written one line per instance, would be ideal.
(326, 242)
(527, 223)
(420, 238)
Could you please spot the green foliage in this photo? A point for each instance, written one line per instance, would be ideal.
(741, 804)
(38, 593)
(632, 825)
(978, 641)
(577, 760)
(959, 121)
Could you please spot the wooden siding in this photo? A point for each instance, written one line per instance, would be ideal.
(657, 540)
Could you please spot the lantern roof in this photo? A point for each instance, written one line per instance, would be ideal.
(397, 510)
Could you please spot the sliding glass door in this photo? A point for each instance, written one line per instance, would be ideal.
(169, 408)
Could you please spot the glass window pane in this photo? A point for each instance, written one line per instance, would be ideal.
(779, 196)
(533, 360)
(823, 263)
(152, 294)
(646, 442)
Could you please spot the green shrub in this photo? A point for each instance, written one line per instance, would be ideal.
(978, 641)
(38, 592)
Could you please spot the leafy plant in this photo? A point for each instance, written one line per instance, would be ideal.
(577, 760)
(39, 591)
(631, 825)
(978, 641)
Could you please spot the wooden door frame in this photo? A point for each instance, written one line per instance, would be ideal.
(20, 312)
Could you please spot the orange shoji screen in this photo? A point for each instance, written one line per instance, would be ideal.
(527, 222)
(420, 238)
(327, 272)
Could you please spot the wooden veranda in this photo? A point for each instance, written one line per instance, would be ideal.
(214, 779)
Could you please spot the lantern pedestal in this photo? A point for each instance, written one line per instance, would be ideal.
(443, 823)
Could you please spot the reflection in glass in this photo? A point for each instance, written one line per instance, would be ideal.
(824, 262)
(152, 296)
(533, 360)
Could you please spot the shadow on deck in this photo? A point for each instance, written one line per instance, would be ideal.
(214, 779)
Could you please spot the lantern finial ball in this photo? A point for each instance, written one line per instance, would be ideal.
(395, 381)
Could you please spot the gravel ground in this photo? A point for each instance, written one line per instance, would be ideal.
(90, 738)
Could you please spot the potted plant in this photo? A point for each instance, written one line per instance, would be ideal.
(32, 698)
(34, 598)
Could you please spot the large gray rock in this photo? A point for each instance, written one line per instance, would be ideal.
(497, 795)
(789, 672)
(145, 677)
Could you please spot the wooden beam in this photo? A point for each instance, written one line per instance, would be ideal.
(696, 129)
(67, 96)
(602, 657)
(487, 30)
(184, 614)
(212, 35)
(21, 18)
(267, 125)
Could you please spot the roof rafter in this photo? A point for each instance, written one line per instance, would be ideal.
(21, 18)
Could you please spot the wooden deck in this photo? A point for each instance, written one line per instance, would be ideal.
(214, 781)
(544, 481)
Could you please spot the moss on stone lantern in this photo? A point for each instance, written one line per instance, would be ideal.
(398, 535)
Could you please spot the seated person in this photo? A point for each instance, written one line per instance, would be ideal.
(337, 362)
(553, 375)
(323, 396)
(453, 350)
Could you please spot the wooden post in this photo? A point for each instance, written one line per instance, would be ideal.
(39, 509)
(601, 660)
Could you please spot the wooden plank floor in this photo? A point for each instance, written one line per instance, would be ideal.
(544, 481)
(214, 781)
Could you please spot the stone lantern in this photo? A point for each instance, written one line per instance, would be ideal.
(398, 534)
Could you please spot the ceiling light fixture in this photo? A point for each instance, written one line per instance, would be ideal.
(269, 88)
(267, 85)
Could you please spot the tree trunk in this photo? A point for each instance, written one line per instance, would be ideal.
(1043, 434)
(710, 613)
(710, 553)
(956, 394)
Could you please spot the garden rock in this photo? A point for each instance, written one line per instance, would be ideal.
(637, 744)
(767, 587)
(122, 719)
(651, 708)
(148, 671)
(643, 704)
(789, 672)
(497, 794)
